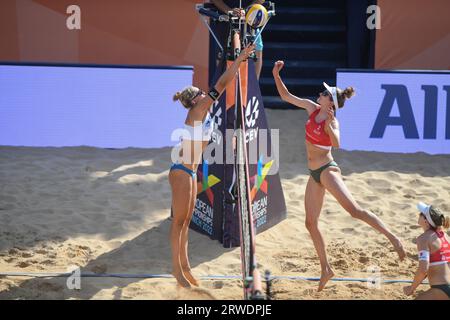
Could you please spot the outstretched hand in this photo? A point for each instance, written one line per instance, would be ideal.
(238, 12)
(277, 67)
(246, 52)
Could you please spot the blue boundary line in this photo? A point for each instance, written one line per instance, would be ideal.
(168, 276)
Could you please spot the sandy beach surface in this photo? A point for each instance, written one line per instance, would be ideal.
(107, 211)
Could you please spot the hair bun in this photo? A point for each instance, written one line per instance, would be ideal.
(349, 92)
(445, 222)
(177, 96)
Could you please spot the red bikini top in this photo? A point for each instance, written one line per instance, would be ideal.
(442, 256)
(315, 132)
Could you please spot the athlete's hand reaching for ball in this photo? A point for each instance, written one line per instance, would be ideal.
(277, 67)
(246, 52)
(238, 12)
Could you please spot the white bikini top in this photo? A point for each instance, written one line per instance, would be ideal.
(200, 132)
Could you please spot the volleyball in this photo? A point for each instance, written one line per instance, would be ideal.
(256, 16)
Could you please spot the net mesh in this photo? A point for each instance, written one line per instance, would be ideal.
(244, 205)
(245, 213)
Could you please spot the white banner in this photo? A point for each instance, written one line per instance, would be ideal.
(396, 111)
(106, 107)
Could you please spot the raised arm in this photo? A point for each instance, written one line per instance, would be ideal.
(222, 6)
(230, 73)
(285, 95)
(225, 79)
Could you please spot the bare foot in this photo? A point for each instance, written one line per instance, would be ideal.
(398, 246)
(190, 277)
(181, 279)
(324, 278)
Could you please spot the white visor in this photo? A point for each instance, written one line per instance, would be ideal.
(425, 210)
(333, 92)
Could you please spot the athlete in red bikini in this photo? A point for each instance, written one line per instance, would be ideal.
(434, 255)
(322, 133)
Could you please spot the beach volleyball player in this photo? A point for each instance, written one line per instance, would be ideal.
(182, 175)
(434, 254)
(322, 133)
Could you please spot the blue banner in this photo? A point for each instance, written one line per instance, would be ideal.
(216, 212)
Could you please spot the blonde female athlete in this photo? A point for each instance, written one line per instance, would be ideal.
(434, 255)
(322, 133)
(182, 175)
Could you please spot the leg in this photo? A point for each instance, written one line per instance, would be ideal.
(313, 205)
(181, 186)
(184, 257)
(259, 62)
(331, 179)
(259, 54)
(433, 294)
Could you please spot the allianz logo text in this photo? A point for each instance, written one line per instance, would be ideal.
(398, 95)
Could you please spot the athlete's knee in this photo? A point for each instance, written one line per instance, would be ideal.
(356, 212)
(312, 224)
(187, 222)
(178, 221)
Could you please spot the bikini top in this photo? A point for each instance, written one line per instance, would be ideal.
(200, 131)
(441, 256)
(315, 132)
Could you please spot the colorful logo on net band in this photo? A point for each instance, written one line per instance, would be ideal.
(259, 180)
(207, 181)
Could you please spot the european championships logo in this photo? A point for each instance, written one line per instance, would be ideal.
(259, 180)
(207, 182)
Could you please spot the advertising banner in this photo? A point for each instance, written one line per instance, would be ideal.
(396, 111)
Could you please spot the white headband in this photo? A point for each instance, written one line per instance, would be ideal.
(425, 210)
(333, 92)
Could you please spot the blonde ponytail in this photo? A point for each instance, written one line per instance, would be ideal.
(439, 219)
(185, 96)
(343, 95)
(445, 222)
(349, 92)
(177, 96)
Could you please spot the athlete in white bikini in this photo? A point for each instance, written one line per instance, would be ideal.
(182, 175)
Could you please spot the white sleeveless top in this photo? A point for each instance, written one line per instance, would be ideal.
(200, 132)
